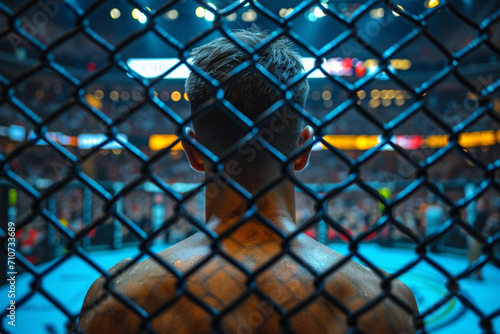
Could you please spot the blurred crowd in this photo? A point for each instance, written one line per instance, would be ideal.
(347, 216)
(350, 214)
(43, 162)
(416, 218)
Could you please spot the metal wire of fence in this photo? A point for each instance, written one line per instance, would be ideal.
(17, 29)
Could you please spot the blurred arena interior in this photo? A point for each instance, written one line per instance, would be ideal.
(445, 120)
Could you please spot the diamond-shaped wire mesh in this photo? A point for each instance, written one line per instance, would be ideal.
(59, 57)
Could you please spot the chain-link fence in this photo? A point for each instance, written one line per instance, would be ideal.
(404, 98)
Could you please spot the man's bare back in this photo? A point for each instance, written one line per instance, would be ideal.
(286, 296)
(218, 283)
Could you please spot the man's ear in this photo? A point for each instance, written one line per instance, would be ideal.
(301, 162)
(193, 156)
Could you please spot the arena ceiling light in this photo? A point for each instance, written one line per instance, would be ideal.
(209, 16)
(115, 13)
(205, 13)
(139, 16)
(249, 16)
(431, 3)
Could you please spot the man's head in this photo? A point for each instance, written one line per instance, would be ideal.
(249, 91)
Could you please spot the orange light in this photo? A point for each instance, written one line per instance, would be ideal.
(433, 3)
(478, 138)
(351, 142)
(158, 142)
(176, 96)
(93, 101)
(436, 141)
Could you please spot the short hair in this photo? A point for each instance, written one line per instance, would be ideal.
(249, 90)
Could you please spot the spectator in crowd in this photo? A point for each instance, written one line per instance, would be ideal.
(433, 218)
(480, 224)
(409, 221)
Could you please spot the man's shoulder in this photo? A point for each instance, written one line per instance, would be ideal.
(386, 302)
(355, 285)
(99, 305)
(146, 283)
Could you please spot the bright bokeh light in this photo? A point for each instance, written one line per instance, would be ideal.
(200, 12)
(383, 94)
(135, 13)
(391, 94)
(396, 14)
(172, 14)
(285, 11)
(374, 103)
(99, 94)
(432, 3)
(377, 13)
(232, 17)
(176, 96)
(143, 18)
(115, 13)
(114, 95)
(140, 16)
(400, 64)
(209, 16)
(318, 12)
(249, 16)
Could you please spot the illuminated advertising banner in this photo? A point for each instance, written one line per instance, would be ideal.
(366, 142)
(89, 140)
(172, 68)
(17, 132)
(342, 142)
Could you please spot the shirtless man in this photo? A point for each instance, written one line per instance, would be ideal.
(283, 295)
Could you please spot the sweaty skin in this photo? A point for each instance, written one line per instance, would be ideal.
(286, 286)
(218, 283)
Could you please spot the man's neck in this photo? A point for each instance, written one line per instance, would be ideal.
(224, 206)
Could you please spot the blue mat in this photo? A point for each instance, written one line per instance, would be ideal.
(69, 283)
